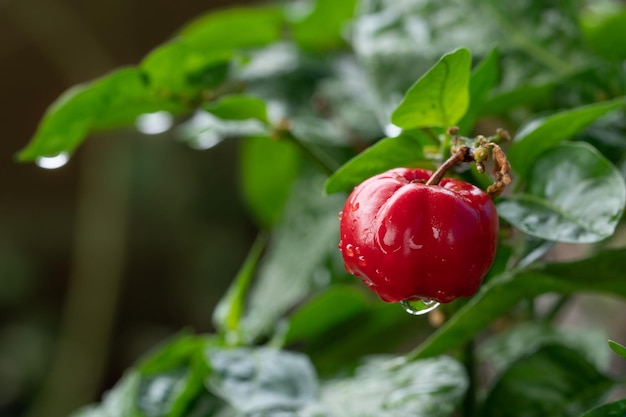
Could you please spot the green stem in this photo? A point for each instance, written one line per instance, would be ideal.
(556, 308)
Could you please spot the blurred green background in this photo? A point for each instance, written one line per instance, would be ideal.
(134, 239)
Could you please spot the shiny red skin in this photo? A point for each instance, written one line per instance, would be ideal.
(407, 240)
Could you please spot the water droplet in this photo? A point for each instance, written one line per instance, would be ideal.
(379, 273)
(349, 250)
(361, 261)
(419, 307)
(340, 215)
(392, 131)
(357, 250)
(340, 244)
(52, 162)
(355, 206)
(154, 123)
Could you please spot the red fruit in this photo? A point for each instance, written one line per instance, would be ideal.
(408, 241)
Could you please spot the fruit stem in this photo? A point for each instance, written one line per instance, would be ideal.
(462, 155)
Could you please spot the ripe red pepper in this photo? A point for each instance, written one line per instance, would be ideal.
(408, 241)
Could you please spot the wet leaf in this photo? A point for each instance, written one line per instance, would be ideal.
(402, 151)
(112, 101)
(396, 388)
(539, 135)
(574, 195)
(238, 107)
(262, 380)
(440, 97)
(502, 293)
(552, 381)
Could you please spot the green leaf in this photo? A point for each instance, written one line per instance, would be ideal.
(617, 348)
(168, 394)
(295, 261)
(552, 381)
(268, 171)
(397, 388)
(262, 380)
(603, 27)
(335, 305)
(599, 273)
(524, 95)
(574, 195)
(502, 349)
(539, 135)
(321, 30)
(484, 77)
(402, 151)
(614, 409)
(440, 97)
(229, 309)
(114, 100)
(238, 107)
(173, 353)
(235, 28)
(180, 71)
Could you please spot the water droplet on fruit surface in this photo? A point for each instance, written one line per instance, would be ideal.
(419, 307)
(361, 261)
(349, 250)
(355, 206)
(340, 215)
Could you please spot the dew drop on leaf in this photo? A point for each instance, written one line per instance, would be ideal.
(419, 307)
(52, 162)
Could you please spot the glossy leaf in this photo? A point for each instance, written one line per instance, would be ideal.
(614, 409)
(262, 380)
(294, 263)
(484, 77)
(268, 171)
(322, 28)
(235, 28)
(440, 97)
(172, 353)
(238, 107)
(603, 27)
(167, 394)
(599, 273)
(552, 381)
(541, 134)
(617, 348)
(111, 101)
(402, 151)
(574, 195)
(397, 388)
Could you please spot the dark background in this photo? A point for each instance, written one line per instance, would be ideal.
(133, 240)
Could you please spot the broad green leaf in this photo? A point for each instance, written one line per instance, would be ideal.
(321, 29)
(541, 134)
(238, 107)
(614, 409)
(402, 151)
(168, 394)
(484, 77)
(552, 381)
(604, 27)
(502, 349)
(397, 388)
(524, 95)
(121, 400)
(114, 100)
(261, 380)
(574, 195)
(227, 314)
(268, 170)
(185, 72)
(440, 97)
(599, 273)
(295, 261)
(617, 348)
(235, 28)
(336, 305)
